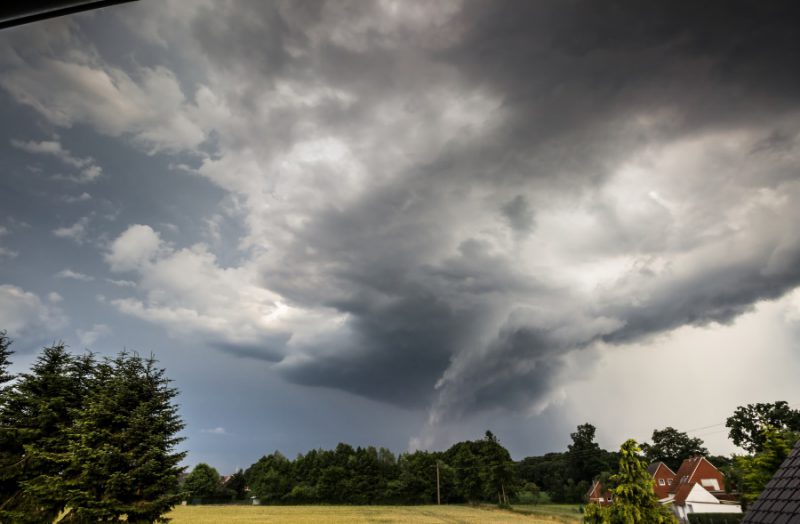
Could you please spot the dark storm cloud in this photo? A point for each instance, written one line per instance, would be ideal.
(519, 214)
(448, 182)
(570, 76)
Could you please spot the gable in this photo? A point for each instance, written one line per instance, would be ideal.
(698, 470)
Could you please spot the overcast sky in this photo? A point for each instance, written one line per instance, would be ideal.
(403, 223)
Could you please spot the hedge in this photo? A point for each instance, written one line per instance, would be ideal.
(715, 518)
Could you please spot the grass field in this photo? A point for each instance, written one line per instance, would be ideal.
(558, 512)
(360, 514)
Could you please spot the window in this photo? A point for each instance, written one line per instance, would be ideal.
(661, 482)
(669, 481)
(711, 484)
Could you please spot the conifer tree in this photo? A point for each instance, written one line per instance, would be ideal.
(5, 353)
(40, 411)
(9, 451)
(634, 500)
(123, 443)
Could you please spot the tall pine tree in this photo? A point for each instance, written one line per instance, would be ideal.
(634, 500)
(38, 413)
(10, 454)
(123, 444)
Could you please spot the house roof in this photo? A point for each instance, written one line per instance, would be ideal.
(687, 470)
(653, 468)
(780, 500)
(694, 493)
(682, 493)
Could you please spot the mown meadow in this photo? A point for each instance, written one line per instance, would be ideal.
(455, 514)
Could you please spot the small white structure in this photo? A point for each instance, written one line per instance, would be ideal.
(256, 501)
(697, 499)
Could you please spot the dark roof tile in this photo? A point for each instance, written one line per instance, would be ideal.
(779, 503)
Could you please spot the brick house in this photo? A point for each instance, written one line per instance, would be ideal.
(663, 478)
(698, 487)
(698, 470)
(596, 495)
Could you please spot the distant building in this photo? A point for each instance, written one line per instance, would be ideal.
(596, 494)
(663, 478)
(780, 500)
(698, 470)
(697, 487)
(694, 498)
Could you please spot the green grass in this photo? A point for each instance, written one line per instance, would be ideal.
(354, 514)
(567, 513)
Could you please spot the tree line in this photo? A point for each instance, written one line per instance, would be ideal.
(87, 439)
(482, 470)
(469, 471)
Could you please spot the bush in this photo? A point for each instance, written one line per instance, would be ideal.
(715, 518)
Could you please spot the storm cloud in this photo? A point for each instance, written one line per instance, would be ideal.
(442, 204)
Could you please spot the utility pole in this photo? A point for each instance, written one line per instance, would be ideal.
(438, 493)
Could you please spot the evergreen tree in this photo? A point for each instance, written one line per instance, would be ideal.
(634, 500)
(10, 453)
(37, 415)
(122, 449)
(5, 353)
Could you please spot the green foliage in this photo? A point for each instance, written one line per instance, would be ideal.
(92, 438)
(10, 449)
(715, 518)
(566, 477)
(584, 456)
(38, 414)
(751, 474)
(122, 448)
(5, 354)
(236, 485)
(721, 462)
(595, 514)
(747, 424)
(633, 498)
(204, 482)
(471, 471)
(529, 494)
(671, 447)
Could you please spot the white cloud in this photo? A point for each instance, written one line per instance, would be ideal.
(24, 314)
(189, 293)
(219, 430)
(87, 337)
(4, 251)
(83, 90)
(134, 248)
(121, 283)
(76, 231)
(54, 297)
(89, 170)
(74, 275)
(83, 197)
